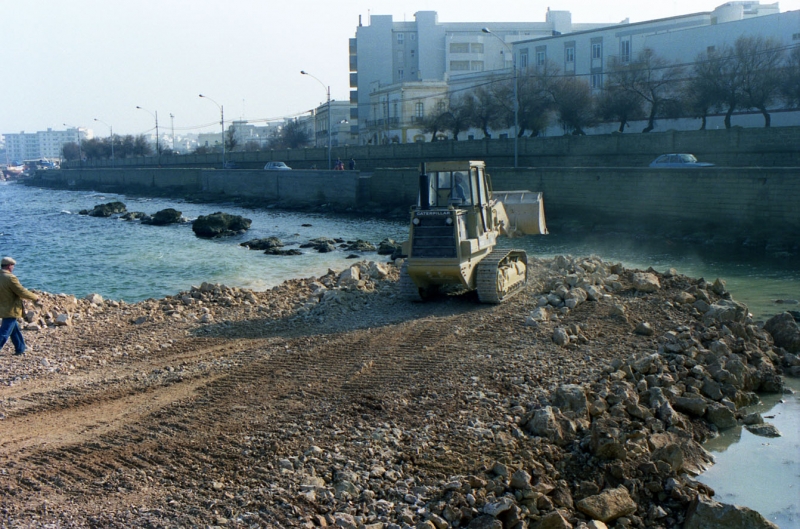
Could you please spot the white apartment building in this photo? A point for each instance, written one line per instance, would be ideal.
(388, 112)
(387, 53)
(340, 126)
(43, 144)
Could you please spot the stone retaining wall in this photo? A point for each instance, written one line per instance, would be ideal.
(759, 203)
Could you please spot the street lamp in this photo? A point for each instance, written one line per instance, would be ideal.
(328, 91)
(155, 115)
(222, 124)
(516, 96)
(80, 143)
(172, 122)
(111, 132)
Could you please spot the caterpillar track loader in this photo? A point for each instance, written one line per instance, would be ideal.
(454, 230)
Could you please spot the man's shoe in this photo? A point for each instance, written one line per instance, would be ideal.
(20, 353)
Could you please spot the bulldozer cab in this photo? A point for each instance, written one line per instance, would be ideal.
(457, 184)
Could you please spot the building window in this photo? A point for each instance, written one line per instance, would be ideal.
(413, 36)
(459, 47)
(400, 73)
(625, 51)
(459, 66)
(413, 53)
(711, 49)
(401, 38)
(540, 58)
(476, 66)
(796, 36)
(476, 48)
(569, 54)
(419, 109)
(523, 58)
(597, 80)
(597, 51)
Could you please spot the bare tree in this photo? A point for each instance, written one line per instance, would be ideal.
(485, 110)
(650, 77)
(535, 100)
(71, 151)
(291, 136)
(760, 61)
(458, 117)
(619, 105)
(231, 141)
(572, 100)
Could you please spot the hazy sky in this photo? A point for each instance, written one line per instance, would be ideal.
(70, 61)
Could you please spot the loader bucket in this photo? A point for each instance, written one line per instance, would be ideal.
(525, 211)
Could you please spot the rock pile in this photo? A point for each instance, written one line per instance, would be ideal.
(616, 448)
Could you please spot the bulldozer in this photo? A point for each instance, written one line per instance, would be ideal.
(454, 229)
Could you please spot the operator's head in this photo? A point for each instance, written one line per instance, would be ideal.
(459, 178)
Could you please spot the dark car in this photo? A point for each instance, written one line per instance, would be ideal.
(678, 160)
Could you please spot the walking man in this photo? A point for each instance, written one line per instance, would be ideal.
(11, 295)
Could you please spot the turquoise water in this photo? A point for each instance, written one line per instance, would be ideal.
(58, 250)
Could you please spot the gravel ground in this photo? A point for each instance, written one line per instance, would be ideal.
(331, 401)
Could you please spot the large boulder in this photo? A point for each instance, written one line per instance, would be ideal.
(645, 282)
(220, 224)
(608, 505)
(165, 217)
(106, 210)
(705, 513)
(725, 310)
(784, 331)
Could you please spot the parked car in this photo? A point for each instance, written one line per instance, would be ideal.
(277, 166)
(678, 160)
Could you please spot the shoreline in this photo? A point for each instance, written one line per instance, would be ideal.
(585, 397)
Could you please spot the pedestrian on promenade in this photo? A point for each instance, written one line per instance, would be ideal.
(11, 295)
(352, 164)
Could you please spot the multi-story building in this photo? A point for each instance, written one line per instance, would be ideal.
(43, 145)
(340, 126)
(387, 53)
(404, 71)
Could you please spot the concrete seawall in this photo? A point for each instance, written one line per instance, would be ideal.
(756, 203)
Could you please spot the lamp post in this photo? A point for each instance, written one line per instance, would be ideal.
(222, 124)
(155, 115)
(516, 96)
(328, 92)
(172, 122)
(80, 143)
(111, 132)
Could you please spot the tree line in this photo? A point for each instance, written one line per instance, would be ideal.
(754, 73)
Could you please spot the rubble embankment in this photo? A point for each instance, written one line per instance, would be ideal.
(582, 403)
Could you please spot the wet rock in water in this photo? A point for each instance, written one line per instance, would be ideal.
(220, 224)
(360, 246)
(278, 251)
(705, 513)
(388, 247)
(721, 416)
(763, 430)
(321, 244)
(784, 331)
(645, 282)
(608, 505)
(134, 215)
(165, 217)
(105, 210)
(263, 244)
